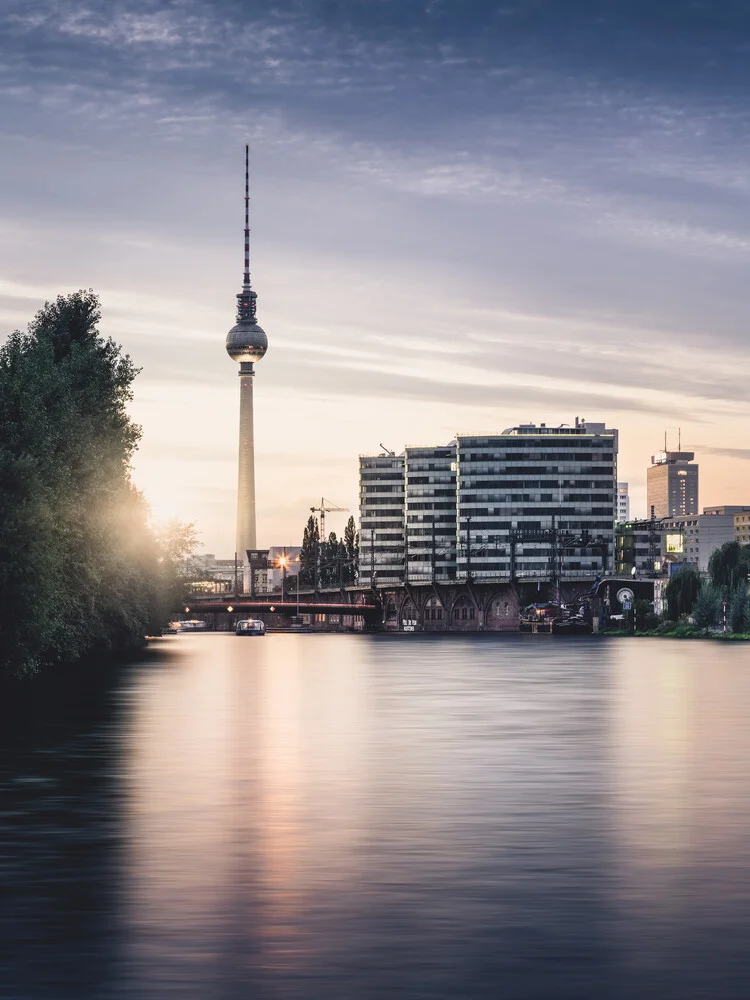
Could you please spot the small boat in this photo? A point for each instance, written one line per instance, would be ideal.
(575, 625)
(250, 626)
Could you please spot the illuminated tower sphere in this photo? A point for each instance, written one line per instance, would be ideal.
(246, 343)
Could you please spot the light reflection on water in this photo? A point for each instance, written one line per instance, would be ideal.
(352, 816)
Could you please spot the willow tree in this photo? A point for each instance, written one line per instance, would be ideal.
(682, 592)
(729, 567)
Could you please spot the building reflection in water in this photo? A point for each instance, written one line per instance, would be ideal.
(681, 804)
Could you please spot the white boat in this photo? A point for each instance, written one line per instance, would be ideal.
(250, 626)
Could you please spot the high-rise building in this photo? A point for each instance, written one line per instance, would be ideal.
(430, 513)
(246, 343)
(623, 503)
(531, 479)
(672, 485)
(381, 530)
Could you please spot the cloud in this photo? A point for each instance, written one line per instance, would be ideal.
(742, 454)
(462, 210)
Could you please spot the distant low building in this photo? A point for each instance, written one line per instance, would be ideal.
(742, 528)
(644, 548)
(213, 576)
(264, 568)
(279, 557)
(706, 532)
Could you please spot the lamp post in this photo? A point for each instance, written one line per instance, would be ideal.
(283, 564)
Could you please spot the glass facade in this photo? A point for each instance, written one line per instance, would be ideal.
(532, 503)
(381, 512)
(533, 479)
(431, 514)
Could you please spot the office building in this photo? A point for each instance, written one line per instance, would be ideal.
(430, 513)
(533, 503)
(706, 532)
(382, 493)
(672, 485)
(623, 503)
(648, 548)
(530, 480)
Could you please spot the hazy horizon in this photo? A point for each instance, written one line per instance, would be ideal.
(465, 216)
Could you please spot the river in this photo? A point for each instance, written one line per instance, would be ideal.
(350, 816)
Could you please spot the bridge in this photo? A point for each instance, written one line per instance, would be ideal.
(455, 606)
(228, 608)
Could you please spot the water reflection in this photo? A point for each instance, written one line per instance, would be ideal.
(333, 816)
(682, 806)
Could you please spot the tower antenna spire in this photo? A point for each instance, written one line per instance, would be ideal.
(246, 277)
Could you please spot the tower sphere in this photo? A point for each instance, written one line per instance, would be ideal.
(246, 342)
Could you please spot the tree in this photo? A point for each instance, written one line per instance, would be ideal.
(79, 571)
(330, 561)
(682, 592)
(177, 544)
(310, 553)
(351, 543)
(739, 607)
(707, 610)
(729, 567)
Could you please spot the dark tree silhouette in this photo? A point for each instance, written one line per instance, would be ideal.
(682, 592)
(79, 566)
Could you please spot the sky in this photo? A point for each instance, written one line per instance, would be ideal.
(465, 215)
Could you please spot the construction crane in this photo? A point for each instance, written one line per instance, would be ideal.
(326, 507)
(387, 450)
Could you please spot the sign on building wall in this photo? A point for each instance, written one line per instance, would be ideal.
(674, 543)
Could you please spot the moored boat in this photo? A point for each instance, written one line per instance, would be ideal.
(250, 626)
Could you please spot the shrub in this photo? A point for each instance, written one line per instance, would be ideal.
(707, 610)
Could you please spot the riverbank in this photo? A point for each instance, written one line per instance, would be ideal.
(680, 633)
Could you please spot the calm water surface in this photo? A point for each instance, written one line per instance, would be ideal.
(360, 817)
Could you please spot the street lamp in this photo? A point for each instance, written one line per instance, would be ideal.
(283, 563)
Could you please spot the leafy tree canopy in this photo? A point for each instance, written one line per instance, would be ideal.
(80, 572)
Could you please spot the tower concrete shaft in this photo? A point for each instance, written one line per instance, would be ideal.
(246, 537)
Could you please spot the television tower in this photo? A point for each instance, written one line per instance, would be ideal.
(246, 343)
